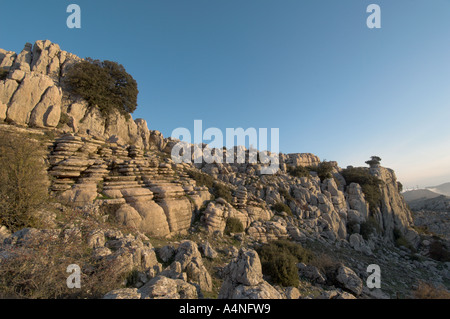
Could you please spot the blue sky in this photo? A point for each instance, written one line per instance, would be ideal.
(309, 67)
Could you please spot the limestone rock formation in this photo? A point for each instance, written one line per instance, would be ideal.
(243, 279)
(349, 280)
(162, 287)
(393, 213)
(190, 260)
(33, 94)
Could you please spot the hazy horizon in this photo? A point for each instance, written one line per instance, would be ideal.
(334, 87)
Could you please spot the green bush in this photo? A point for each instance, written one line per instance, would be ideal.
(220, 190)
(202, 179)
(324, 170)
(23, 181)
(281, 207)
(234, 225)
(374, 160)
(298, 171)
(279, 261)
(217, 189)
(104, 84)
(370, 184)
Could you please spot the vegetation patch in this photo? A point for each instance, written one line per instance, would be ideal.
(216, 188)
(281, 207)
(298, 171)
(23, 181)
(103, 84)
(324, 170)
(401, 241)
(233, 225)
(428, 291)
(279, 261)
(370, 184)
(369, 227)
(438, 251)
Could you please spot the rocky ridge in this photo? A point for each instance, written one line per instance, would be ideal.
(117, 163)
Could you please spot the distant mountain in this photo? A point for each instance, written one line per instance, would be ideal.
(443, 189)
(419, 194)
(437, 204)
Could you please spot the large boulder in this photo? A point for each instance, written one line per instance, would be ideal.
(243, 279)
(162, 287)
(349, 280)
(27, 96)
(48, 111)
(190, 260)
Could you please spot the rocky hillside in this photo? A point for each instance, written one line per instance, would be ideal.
(170, 224)
(33, 94)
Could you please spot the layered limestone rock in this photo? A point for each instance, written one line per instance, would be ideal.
(266, 231)
(302, 159)
(216, 214)
(151, 199)
(190, 260)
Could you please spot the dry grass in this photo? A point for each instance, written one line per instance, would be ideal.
(36, 268)
(428, 291)
(324, 263)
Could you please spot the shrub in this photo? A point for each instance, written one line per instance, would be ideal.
(285, 193)
(325, 263)
(3, 74)
(201, 179)
(438, 251)
(23, 181)
(63, 120)
(428, 291)
(370, 184)
(374, 160)
(281, 207)
(279, 261)
(324, 170)
(217, 189)
(298, 171)
(400, 187)
(37, 269)
(220, 190)
(369, 227)
(233, 225)
(400, 240)
(104, 84)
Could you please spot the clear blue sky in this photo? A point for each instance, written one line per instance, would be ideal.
(309, 67)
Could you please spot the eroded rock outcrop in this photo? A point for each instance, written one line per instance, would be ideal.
(243, 279)
(34, 94)
(151, 199)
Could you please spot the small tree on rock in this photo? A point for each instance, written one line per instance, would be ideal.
(104, 84)
(374, 161)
